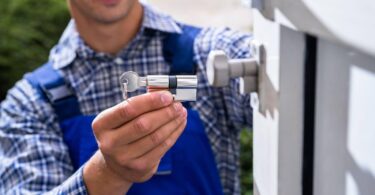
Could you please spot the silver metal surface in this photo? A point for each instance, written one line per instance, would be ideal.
(185, 95)
(158, 81)
(185, 90)
(184, 81)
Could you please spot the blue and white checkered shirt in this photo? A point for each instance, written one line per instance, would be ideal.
(33, 155)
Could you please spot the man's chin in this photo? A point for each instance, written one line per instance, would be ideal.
(110, 19)
(112, 11)
(109, 3)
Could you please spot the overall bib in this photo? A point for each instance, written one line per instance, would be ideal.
(187, 168)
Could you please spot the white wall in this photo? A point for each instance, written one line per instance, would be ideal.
(231, 13)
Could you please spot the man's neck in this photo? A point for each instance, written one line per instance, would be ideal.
(110, 38)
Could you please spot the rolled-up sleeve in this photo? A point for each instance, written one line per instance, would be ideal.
(236, 45)
(33, 156)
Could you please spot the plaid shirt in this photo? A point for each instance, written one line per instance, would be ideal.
(33, 155)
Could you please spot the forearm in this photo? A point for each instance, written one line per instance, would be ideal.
(99, 179)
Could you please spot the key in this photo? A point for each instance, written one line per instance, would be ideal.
(130, 81)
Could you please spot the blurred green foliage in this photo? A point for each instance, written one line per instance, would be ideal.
(246, 162)
(28, 30)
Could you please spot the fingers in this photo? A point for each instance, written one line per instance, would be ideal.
(145, 124)
(158, 152)
(147, 143)
(134, 135)
(130, 109)
(142, 168)
(156, 89)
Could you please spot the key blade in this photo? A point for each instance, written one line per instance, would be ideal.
(131, 80)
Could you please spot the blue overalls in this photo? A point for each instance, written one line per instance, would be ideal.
(187, 168)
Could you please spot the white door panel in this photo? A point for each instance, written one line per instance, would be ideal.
(278, 133)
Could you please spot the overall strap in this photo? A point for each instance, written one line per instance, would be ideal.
(52, 86)
(178, 50)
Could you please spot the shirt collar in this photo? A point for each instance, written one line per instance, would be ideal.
(71, 43)
(159, 21)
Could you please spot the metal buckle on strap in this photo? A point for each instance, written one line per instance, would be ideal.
(58, 93)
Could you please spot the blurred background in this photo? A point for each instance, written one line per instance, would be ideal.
(231, 13)
(30, 28)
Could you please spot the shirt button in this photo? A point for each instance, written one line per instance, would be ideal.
(119, 61)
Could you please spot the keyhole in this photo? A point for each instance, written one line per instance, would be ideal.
(125, 88)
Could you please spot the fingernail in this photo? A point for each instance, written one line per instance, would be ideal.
(177, 106)
(183, 113)
(165, 98)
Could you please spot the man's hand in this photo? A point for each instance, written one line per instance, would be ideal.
(132, 137)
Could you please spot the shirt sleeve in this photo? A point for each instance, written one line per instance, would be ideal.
(236, 45)
(33, 156)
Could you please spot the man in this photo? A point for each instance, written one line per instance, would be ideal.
(140, 145)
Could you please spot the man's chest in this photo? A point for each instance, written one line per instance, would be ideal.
(97, 83)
